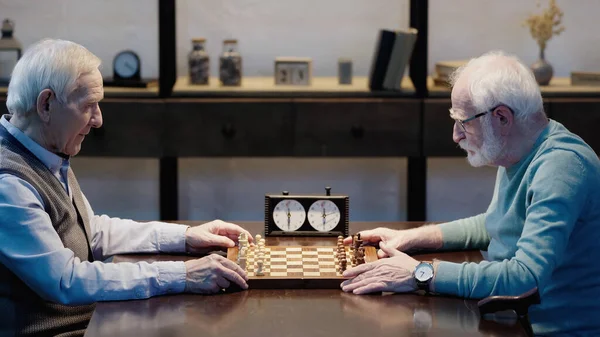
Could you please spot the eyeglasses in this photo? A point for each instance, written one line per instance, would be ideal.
(462, 122)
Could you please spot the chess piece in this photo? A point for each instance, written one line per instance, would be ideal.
(242, 258)
(360, 255)
(260, 264)
(343, 264)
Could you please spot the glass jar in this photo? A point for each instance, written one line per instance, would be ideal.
(230, 64)
(199, 62)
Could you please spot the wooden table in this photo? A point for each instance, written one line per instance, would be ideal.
(297, 312)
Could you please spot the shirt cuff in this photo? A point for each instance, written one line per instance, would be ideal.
(171, 277)
(446, 278)
(171, 238)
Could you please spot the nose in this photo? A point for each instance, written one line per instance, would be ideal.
(457, 133)
(96, 121)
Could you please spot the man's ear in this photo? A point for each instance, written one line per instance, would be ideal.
(44, 100)
(506, 118)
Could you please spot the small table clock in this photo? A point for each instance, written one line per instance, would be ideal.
(127, 70)
(306, 215)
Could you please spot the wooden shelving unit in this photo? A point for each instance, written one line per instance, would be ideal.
(261, 119)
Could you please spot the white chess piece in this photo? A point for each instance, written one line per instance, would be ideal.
(259, 268)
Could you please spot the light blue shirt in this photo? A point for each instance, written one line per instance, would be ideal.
(542, 229)
(32, 249)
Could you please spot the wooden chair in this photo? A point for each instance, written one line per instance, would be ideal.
(519, 304)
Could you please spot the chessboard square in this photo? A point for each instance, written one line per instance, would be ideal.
(279, 273)
(295, 270)
(293, 249)
(309, 249)
(278, 259)
(327, 270)
(311, 270)
(312, 273)
(310, 262)
(310, 253)
(326, 259)
(327, 274)
(294, 263)
(278, 263)
(325, 249)
(278, 249)
(297, 274)
(294, 259)
(278, 266)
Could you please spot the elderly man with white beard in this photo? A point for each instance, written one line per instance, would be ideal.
(542, 226)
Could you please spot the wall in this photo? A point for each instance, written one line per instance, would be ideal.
(233, 189)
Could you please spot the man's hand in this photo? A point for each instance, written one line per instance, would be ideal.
(425, 237)
(210, 274)
(394, 274)
(213, 234)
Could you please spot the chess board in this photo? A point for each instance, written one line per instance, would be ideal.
(297, 266)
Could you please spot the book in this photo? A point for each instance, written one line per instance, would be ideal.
(585, 78)
(401, 53)
(381, 58)
(444, 69)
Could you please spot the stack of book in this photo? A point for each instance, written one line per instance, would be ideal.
(444, 69)
(585, 78)
(390, 58)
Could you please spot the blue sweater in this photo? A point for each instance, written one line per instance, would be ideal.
(542, 228)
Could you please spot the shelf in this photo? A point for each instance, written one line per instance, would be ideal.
(265, 87)
(116, 92)
(559, 87)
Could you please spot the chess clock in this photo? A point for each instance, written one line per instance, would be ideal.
(306, 215)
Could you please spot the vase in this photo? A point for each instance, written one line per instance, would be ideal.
(542, 70)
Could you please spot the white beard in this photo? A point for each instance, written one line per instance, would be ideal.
(489, 152)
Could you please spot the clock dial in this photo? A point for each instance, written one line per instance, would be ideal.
(126, 65)
(423, 272)
(323, 215)
(289, 215)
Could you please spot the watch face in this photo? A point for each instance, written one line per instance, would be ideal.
(424, 272)
(289, 215)
(323, 215)
(126, 64)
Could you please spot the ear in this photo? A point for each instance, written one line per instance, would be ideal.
(505, 118)
(44, 100)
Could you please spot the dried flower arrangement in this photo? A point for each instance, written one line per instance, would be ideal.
(545, 25)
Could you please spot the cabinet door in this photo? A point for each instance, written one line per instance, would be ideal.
(241, 127)
(357, 127)
(131, 128)
(581, 116)
(437, 129)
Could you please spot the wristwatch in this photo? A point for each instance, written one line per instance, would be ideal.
(423, 274)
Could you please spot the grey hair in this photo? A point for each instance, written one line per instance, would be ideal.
(498, 78)
(48, 64)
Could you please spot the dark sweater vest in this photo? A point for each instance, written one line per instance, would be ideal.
(22, 311)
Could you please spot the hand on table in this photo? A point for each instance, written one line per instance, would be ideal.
(393, 274)
(397, 239)
(216, 233)
(210, 274)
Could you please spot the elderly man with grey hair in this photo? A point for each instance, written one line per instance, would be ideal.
(52, 243)
(542, 227)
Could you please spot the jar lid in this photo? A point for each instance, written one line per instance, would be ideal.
(230, 41)
(199, 39)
